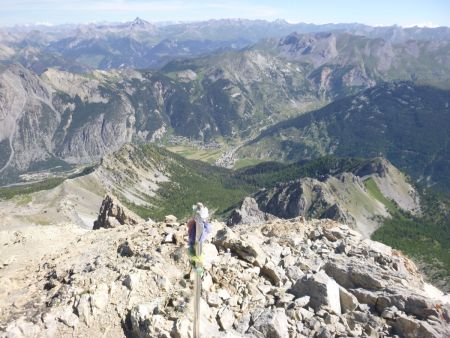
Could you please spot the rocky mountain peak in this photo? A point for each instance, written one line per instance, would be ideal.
(140, 24)
(249, 213)
(113, 213)
(379, 166)
(317, 48)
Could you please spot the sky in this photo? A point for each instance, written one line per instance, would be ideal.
(429, 13)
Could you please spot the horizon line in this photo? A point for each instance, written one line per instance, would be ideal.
(178, 22)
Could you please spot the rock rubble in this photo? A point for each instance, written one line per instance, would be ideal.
(282, 278)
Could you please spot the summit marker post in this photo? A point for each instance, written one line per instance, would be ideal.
(197, 281)
(199, 223)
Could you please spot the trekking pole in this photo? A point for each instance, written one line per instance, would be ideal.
(197, 289)
(198, 229)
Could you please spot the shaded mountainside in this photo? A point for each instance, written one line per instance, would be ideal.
(78, 118)
(407, 124)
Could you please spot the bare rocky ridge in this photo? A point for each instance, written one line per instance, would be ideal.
(283, 278)
(343, 197)
(128, 174)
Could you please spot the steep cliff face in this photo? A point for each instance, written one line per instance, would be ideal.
(342, 198)
(28, 119)
(74, 118)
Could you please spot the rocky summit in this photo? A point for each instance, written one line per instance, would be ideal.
(278, 278)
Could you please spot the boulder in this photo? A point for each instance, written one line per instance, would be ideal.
(171, 220)
(223, 294)
(410, 328)
(17, 328)
(145, 324)
(213, 299)
(302, 301)
(131, 280)
(210, 253)
(248, 213)
(294, 273)
(84, 309)
(271, 272)
(271, 323)
(322, 290)
(125, 249)
(243, 323)
(182, 328)
(324, 333)
(363, 319)
(365, 296)
(348, 300)
(333, 234)
(169, 238)
(112, 214)
(422, 307)
(353, 274)
(251, 253)
(100, 298)
(67, 317)
(225, 318)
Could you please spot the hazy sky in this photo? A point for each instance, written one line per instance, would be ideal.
(378, 12)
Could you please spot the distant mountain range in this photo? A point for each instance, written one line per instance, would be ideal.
(140, 44)
(59, 117)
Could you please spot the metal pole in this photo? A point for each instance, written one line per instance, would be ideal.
(197, 278)
(197, 291)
